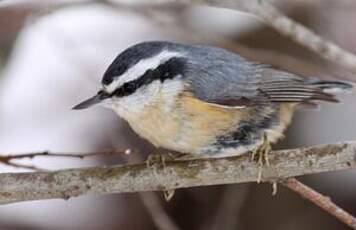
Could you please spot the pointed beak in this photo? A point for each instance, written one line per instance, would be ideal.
(92, 101)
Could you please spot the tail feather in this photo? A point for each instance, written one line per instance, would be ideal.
(331, 86)
(299, 90)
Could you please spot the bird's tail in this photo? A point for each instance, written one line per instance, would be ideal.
(332, 87)
(328, 91)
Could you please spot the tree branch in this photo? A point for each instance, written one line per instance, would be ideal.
(16, 187)
(271, 16)
(302, 35)
(322, 201)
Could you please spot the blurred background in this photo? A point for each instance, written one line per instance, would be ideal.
(53, 55)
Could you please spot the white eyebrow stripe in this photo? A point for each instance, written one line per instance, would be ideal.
(140, 68)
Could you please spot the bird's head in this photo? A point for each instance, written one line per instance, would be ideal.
(138, 75)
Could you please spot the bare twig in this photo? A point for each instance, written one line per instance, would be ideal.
(270, 15)
(23, 166)
(8, 159)
(302, 35)
(71, 155)
(265, 11)
(321, 201)
(262, 9)
(277, 59)
(16, 187)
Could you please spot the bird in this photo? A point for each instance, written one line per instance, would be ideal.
(204, 100)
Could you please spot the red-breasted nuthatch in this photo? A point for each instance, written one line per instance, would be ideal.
(204, 100)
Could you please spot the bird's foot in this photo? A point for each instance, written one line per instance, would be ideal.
(260, 155)
(168, 194)
(156, 161)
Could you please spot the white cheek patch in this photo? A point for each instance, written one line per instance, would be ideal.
(140, 68)
(161, 96)
(135, 103)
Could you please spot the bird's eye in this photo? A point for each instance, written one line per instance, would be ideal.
(126, 89)
(166, 74)
(119, 92)
(129, 87)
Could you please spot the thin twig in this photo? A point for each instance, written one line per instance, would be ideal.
(262, 9)
(24, 166)
(321, 201)
(302, 35)
(271, 16)
(16, 187)
(277, 59)
(8, 159)
(71, 155)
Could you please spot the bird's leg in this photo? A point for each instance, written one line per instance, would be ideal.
(266, 148)
(155, 161)
(260, 154)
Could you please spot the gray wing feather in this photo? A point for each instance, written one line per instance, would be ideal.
(224, 78)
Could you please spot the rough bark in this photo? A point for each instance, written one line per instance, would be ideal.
(168, 175)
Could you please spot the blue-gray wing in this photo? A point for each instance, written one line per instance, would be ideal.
(223, 78)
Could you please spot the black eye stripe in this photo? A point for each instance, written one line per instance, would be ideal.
(166, 70)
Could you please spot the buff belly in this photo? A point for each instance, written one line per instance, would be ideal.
(196, 127)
